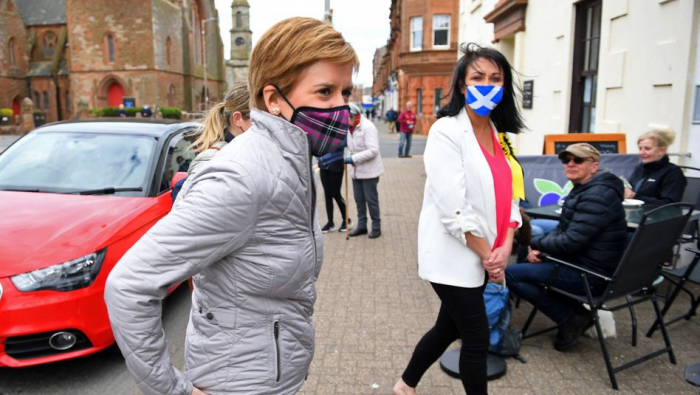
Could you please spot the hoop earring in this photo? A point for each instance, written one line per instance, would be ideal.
(276, 111)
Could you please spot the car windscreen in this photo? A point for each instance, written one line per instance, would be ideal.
(74, 162)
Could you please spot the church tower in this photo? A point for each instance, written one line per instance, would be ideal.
(241, 43)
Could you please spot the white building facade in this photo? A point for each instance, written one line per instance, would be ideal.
(598, 66)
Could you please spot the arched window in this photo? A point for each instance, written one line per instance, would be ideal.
(37, 100)
(168, 44)
(48, 45)
(198, 35)
(11, 51)
(109, 49)
(171, 96)
(239, 19)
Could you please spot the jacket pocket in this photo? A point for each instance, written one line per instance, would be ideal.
(276, 337)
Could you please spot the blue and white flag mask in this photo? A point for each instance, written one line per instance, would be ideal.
(483, 98)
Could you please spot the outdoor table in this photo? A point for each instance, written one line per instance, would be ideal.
(692, 374)
(495, 365)
(634, 213)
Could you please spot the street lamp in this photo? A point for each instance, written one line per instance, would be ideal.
(204, 53)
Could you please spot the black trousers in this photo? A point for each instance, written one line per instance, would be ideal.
(462, 316)
(332, 184)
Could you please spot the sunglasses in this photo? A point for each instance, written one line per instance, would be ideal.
(576, 160)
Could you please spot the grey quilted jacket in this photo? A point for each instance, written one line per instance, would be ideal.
(247, 232)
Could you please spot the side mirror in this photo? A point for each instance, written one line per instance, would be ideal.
(177, 177)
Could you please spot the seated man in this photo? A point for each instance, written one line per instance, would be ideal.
(592, 233)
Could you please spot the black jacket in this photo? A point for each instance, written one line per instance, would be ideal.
(592, 230)
(660, 182)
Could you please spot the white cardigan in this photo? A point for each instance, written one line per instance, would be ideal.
(459, 197)
(363, 142)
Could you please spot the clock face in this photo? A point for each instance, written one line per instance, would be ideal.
(240, 41)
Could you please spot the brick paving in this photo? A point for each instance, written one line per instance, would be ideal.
(372, 309)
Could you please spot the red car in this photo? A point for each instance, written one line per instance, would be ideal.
(74, 197)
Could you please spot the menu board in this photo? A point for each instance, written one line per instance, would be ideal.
(606, 143)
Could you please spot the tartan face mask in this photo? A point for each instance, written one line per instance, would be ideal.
(483, 98)
(326, 127)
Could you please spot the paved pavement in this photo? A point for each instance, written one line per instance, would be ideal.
(372, 309)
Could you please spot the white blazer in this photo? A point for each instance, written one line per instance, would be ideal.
(459, 197)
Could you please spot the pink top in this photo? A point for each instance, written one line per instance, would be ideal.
(503, 188)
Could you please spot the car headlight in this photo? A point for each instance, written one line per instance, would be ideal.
(68, 276)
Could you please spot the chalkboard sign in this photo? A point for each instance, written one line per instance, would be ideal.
(527, 93)
(604, 147)
(606, 143)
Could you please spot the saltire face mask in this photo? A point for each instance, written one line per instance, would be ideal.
(483, 98)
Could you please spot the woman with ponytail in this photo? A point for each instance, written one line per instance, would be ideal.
(224, 122)
(246, 231)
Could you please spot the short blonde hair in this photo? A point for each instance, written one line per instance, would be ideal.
(662, 137)
(217, 119)
(287, 48)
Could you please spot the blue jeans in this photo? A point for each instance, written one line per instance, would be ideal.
(527, 281)
(405, 140)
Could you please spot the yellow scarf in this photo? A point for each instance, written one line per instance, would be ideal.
(515, 168)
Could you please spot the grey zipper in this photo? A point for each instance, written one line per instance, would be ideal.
(276, 331)
(311, 199)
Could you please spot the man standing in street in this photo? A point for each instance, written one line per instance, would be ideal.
(391, 117)
(407, 120)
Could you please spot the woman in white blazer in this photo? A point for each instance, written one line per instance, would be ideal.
(366, 161)
(470, 212)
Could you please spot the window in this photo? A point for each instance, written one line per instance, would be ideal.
(419, 101)
(585, 77)
(441, 31)
(239, 19)
(179, 158)
(696, 113)
(416, 33)
(198, 34)
(171, 95)
(168, 45)
(11, 51)
(109, 50)
(438, 100)
(37, 100)
(47, 105)
(48, 45)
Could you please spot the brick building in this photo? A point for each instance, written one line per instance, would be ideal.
(419, 59)
(66, 54)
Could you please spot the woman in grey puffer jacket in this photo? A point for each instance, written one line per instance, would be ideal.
(247, 231)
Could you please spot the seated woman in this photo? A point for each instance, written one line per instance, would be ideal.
(656, 180)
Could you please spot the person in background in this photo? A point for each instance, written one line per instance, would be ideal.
(656, 180)
(470, 213)
(592, 233)
(225, 121)
(406, 120)
(146, 112)
(121, 112)
(391, 117)
(366, 167)
(331, 171)
(246, 231)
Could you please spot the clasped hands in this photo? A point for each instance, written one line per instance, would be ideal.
(495, 264)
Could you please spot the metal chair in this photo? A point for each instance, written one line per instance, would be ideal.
(679, 278)
(657, 233)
